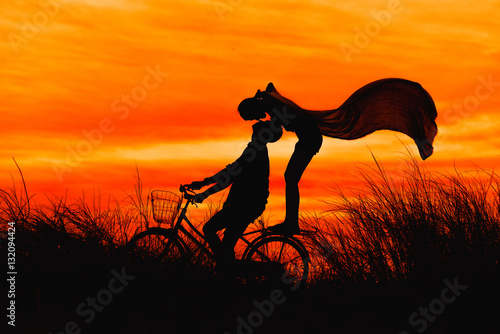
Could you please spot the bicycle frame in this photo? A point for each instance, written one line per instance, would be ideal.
(183, 217)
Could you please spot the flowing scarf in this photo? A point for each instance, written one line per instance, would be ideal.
(388, 104)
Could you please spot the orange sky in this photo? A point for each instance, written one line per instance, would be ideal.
(68, 67)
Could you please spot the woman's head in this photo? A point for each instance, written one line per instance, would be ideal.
(266, 132)
(252, 108)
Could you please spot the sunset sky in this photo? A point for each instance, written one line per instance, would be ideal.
(93, 88)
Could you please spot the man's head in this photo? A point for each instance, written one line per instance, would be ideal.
(252, 108)
(266, 132)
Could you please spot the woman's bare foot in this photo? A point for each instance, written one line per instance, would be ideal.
(286, 228)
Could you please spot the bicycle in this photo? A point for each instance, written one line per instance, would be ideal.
(261, 246)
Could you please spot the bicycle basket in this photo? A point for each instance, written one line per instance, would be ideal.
(165, 205)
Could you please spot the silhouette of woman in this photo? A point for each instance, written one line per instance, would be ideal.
(391, 104)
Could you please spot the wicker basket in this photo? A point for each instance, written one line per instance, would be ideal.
(165, 205)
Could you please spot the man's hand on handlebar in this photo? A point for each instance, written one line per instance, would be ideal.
(196, 185)
(198, 198)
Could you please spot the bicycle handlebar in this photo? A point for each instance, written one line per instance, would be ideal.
(187, 192)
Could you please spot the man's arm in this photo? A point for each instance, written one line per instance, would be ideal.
(225, 177)
(222, 180)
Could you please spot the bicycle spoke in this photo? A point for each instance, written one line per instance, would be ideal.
(281, 251)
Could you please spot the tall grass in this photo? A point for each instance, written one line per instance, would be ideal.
(419, 227)
(422, 227)
(106, 224)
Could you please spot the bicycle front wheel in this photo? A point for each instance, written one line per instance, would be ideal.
(292, 257)
(157, 245)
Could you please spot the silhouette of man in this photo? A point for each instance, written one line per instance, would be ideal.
(247, 198)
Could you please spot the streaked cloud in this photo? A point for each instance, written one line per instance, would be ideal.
(66, 76)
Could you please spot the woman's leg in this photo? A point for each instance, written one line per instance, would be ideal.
(296, 166)
(301, 157)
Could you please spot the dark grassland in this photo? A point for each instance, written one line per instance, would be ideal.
(383, 256)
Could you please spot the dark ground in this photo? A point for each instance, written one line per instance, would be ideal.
(52, 285)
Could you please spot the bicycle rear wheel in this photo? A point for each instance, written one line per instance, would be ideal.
(156, 245)
(288, 253)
